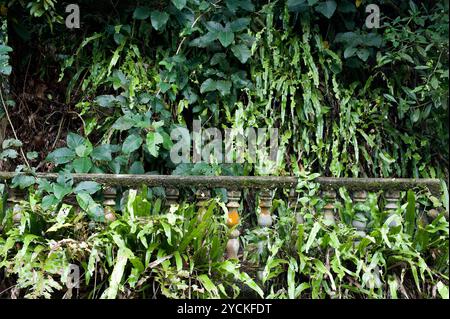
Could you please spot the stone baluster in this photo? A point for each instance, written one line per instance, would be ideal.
(202, 196)
(293, 205)
(15, 196)
(392, 204)
(264, 220)
(265, 204)
(233, 220)
(360, 219)
(329, 197)
(109, 196)
(17, 214)
(171, 197)
(109, 203)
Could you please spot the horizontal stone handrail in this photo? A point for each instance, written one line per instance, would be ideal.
(239, 182)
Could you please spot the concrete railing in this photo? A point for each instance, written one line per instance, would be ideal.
(263, 184)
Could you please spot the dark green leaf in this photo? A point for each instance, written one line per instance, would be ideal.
(363, 54)
(159, 19)
(105, 100)
(102, 153)
(241, 52)
(61, 156)
(89, 187)
(131, 143)
(208, 86)
(296, 5)
(223, 87)
(226, 38)
(327, 8)
(141, 13)
(84, 149)
(179, 4)
(48, 201)
(153, 141)
(60, 190)
(82, 165)
(74, 140)
(239, 24)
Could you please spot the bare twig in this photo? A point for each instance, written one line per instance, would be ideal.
(59, 132)
(8, 289)
(14, 131)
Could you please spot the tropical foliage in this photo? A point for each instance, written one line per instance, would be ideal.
(348, 100)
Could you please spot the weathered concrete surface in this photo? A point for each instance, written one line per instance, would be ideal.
(239, 182)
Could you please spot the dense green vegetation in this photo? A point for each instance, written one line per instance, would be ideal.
(348, 101)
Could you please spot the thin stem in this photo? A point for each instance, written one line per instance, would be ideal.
(14, 131)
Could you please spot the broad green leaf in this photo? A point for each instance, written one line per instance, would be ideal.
(327, 8)
(89, 187)
(84, 149)
(136, 168)
(61, 190)
(154, 139)
(363, 54)
(74, 140)
(159, 19)
(44, 185)
(223, 87)
(234, 5)
(102, 153)
(373, 40)
(167, 141)
(105, 100)
(239, 24)
(94, 211)
(214, 26)
(226, 37)
(82, 165)
(179, 4)
(48, 201)
(296, 5)
(141, 13)
(241, 52)
(124, 123)
(349, 52)
(131, 143)
(61, 156)
(208, 85)
(204, 40)
(84, 200)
